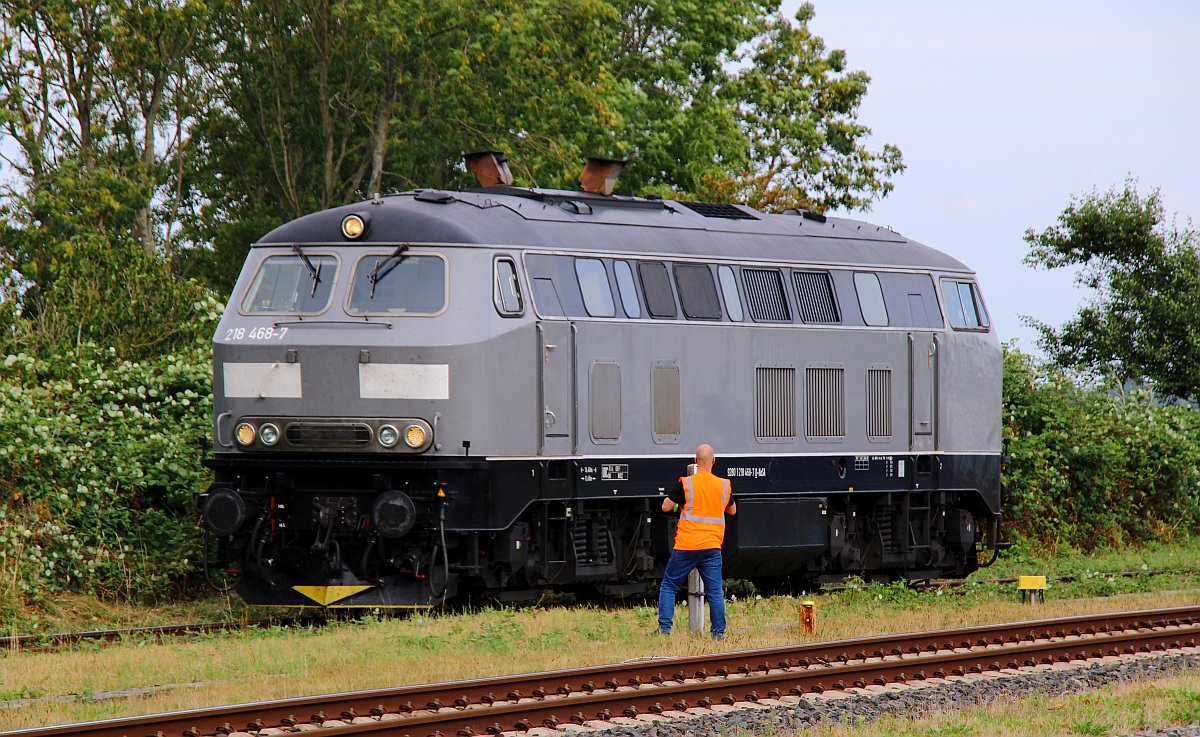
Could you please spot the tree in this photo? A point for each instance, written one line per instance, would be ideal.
(1143, 324)
(798, 108)
(326, 102)
(97, 98)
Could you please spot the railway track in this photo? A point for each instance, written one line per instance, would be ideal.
(959, 583)
(658, 686)
(58, 641)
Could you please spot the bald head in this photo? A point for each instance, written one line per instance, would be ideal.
(705, 457)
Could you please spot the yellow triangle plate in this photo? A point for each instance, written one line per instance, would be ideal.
(326, 595)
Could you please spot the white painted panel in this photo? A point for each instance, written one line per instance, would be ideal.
(263, 380)
(404, 381)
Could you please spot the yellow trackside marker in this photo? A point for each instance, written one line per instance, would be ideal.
(326, 595)
(1032, 587)
(441, 493)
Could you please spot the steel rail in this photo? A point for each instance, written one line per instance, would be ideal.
(48, 642)
(539, 698)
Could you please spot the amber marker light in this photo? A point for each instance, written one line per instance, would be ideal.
(353, 226)
(414, 436)
(244, 433)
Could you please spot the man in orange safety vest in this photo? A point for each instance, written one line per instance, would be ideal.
(703, 500)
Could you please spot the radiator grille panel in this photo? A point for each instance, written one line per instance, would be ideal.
(879, 403)
(775, 403)
(825, 395)
(718, 210)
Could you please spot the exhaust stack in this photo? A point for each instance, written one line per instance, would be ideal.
(490, 168)
(600, 175)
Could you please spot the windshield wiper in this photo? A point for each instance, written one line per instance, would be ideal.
(391, 261)
(314, 271)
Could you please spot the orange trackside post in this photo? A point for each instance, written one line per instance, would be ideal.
(808, 616)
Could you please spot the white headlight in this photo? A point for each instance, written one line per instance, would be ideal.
(388, 435)
(268, 434)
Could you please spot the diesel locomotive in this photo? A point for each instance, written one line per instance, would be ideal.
(486, 393)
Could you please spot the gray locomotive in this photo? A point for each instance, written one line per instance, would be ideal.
(486, 393)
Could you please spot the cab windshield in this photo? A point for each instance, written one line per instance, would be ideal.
(285, 285)
(398, 284)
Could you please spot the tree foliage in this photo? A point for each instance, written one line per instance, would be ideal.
(98, 99)
(325, 102)
(193, 127)
(1143, 324)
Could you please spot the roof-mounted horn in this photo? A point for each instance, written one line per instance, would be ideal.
(600, 175)
(490, 168)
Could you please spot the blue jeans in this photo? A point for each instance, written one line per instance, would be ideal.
(708, 562)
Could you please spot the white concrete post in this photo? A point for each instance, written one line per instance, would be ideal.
(695, 601)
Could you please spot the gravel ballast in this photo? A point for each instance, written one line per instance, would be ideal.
(770, 717)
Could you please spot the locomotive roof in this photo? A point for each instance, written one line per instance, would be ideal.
(581, 222)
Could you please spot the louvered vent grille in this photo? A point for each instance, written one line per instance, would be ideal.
(764, 293)
(666, 402)
(604, 401)
(775, 403)
(879, 403)
(814, 294)
(825, 395)
(712, 210)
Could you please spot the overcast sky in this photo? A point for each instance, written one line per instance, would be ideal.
(1004, 110)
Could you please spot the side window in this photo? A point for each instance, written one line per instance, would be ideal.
(593, 282)
(870, 299)
(733, 304)
(507, 290)
(697, 292)
(764, 294)
(916, 312)
(625, 285)
(964, 305)
(656, 285)
(547, 297)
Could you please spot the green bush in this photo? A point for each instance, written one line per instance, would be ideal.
(98, 460)
(1092, 468)
(110, 293)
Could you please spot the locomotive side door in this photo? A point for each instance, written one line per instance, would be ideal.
(922, 391)
(556, 365)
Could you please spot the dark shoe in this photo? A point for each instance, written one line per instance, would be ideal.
(659, 633)
(718, 636)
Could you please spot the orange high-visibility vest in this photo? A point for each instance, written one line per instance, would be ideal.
(702, 519)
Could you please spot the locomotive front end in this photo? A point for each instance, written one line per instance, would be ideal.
(331, 372)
